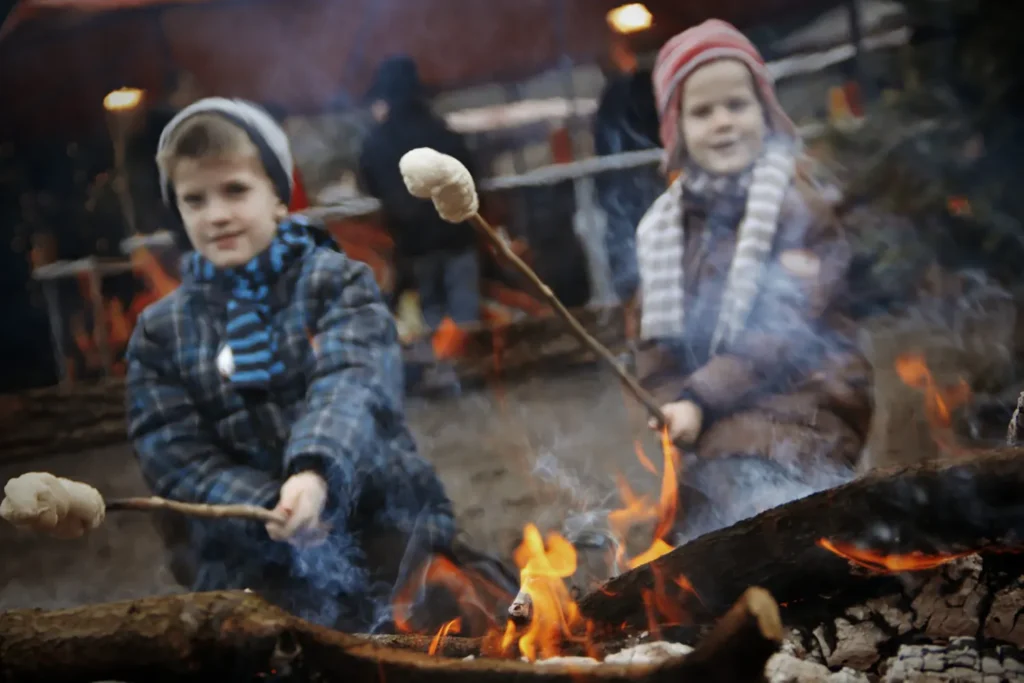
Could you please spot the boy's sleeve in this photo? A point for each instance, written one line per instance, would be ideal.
(356, 381)
(178, 458)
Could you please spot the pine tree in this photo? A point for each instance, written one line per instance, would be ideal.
(947, 151)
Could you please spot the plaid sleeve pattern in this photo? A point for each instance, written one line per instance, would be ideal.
(355, 386)
(178, 457)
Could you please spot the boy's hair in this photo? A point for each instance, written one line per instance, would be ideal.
(217, 126)
(205, 136)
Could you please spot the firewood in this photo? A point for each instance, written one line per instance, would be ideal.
(221, 636)
(741, 643)
(966, 504)
(1014, 429)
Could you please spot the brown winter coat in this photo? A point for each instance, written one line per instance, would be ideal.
(793, 385)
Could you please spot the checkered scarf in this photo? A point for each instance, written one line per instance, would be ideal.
(660, 247)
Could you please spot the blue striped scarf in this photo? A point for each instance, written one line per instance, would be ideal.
(249, 328)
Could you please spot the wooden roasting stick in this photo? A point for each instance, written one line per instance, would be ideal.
(62, 508)
(234, 635)
(429, 174)
(151, 503)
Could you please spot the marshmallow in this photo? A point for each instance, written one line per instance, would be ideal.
(62, 508)
(428, 174)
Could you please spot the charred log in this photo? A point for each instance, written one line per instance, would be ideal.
(51, 420)
(237, 636)
(742, 641)
(940, 507)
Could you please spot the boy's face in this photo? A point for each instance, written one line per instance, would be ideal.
(722, 121)
(229, 207)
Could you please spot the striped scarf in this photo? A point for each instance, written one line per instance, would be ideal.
(661, 239)
(250, 343)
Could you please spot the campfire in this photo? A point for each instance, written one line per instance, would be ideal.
(911, 574)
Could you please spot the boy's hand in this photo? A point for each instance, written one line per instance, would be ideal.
(685, 421)
(301, 503)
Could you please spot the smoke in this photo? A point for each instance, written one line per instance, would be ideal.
(721, 492)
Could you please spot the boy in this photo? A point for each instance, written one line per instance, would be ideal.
(272, 376)
(742, 263)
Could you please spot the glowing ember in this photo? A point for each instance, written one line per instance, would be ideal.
(869, 559)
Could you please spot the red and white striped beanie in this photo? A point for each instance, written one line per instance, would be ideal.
(694, 47)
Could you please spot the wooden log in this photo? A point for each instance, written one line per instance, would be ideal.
(61, 419)
(952, 506)
(237, 636)
(742, 642)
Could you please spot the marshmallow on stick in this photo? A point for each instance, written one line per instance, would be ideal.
(65, 509)
(428, 174)
(52, 505)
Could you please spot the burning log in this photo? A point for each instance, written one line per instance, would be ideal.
(914, 518)
(237, 636)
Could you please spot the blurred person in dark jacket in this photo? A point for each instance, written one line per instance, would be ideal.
(626, 121)
(442, 256)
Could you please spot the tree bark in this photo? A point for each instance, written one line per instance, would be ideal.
(237, 636)
(967, 504)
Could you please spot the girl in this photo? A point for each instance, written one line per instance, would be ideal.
(742, 265)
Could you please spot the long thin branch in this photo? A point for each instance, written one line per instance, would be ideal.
(253, 512)
(630, 382)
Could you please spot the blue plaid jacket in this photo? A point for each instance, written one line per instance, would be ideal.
(337, 408)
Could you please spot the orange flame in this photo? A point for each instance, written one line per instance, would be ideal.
(555, 614)
(119, 319)
(546, 563)
(449, 340)
(939, 401)
(475, 596)
(877, 562)
(454, 626)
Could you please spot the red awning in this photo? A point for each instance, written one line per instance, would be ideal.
(303, 54)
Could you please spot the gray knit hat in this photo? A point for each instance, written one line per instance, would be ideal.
(269, 138)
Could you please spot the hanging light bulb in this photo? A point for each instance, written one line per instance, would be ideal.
(122, 99)
(630, 18)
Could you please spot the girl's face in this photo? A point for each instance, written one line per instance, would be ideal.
(722, 120)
